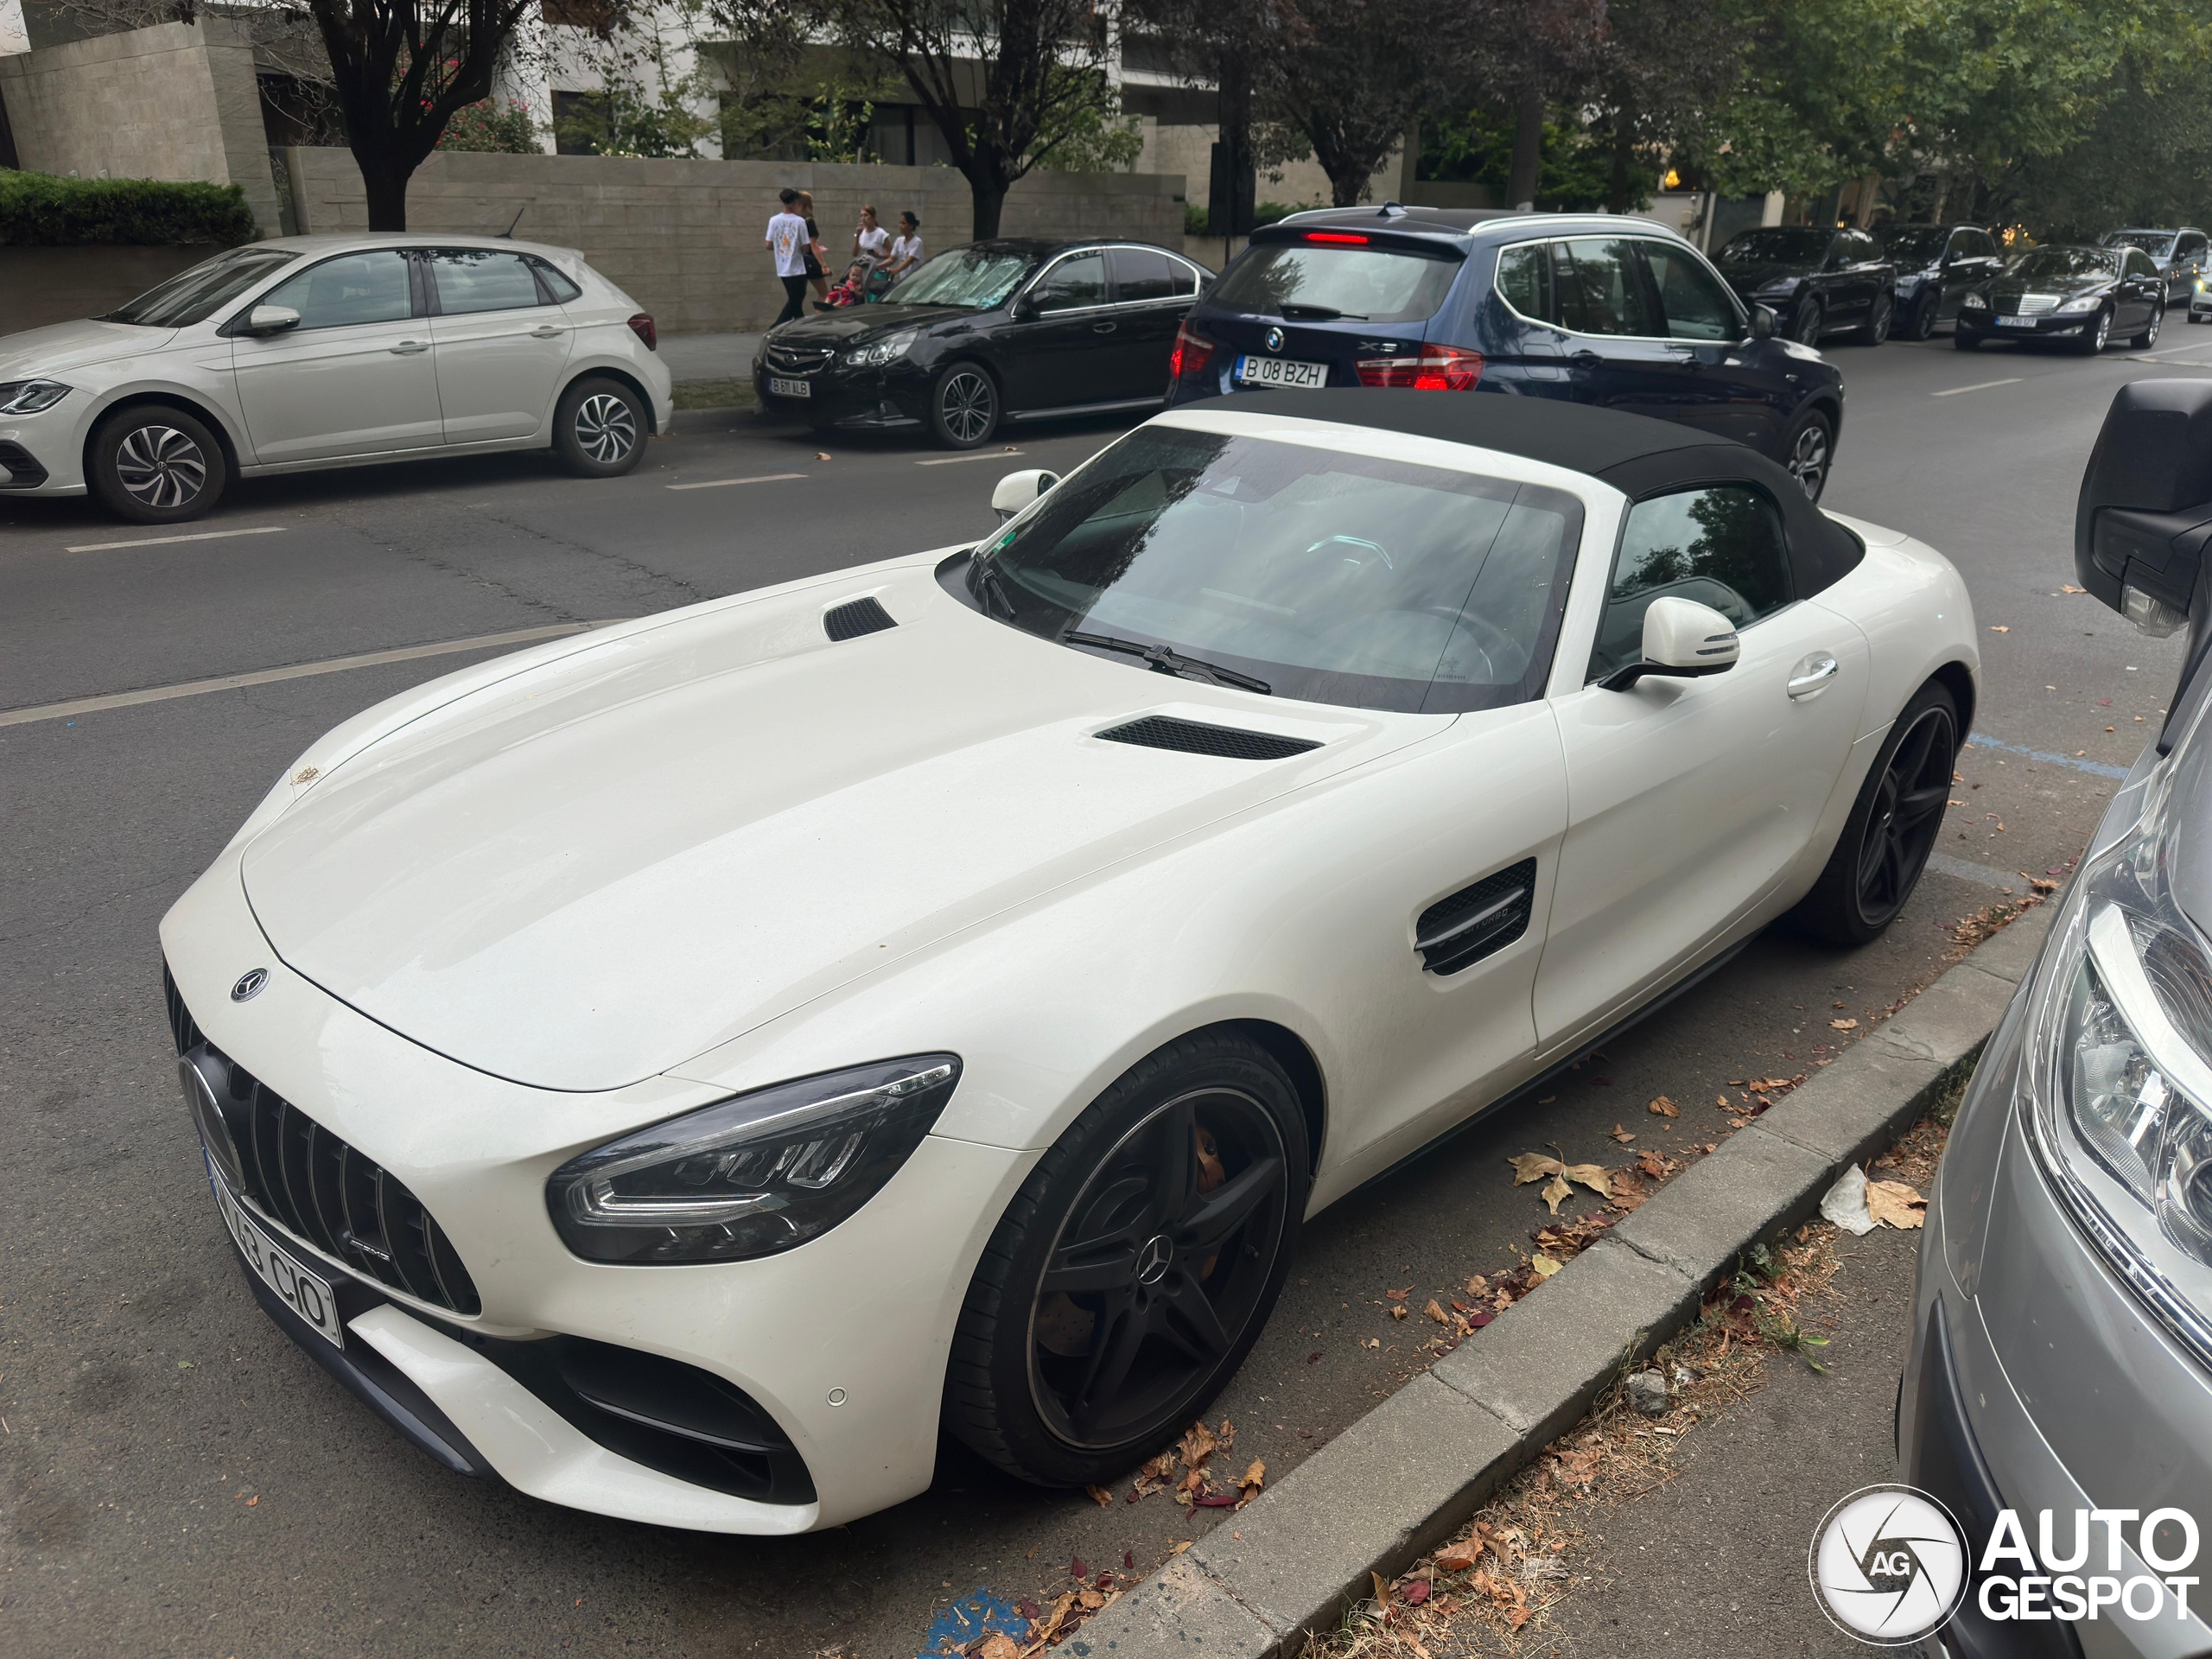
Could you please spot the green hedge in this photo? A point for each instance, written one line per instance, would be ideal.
(44, 210)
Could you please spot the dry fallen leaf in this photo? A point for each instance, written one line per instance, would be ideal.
(821, 455)
(1091, 1599)
(1458, 1558)
(998, 1645)
(1179, 1547)
(1100, 1497)
(2068, 588)
(1663, 1106)
(1896, 1205)
(1382, 1590)
(1843, 1025)
(1435, 1312)
(1651, 1164)
(1478, 1286)
(1543, 1266)
(1589, 1175)
(1557, 1190)
(1533, 1166)
(1622, 1134)
(1255, 1476)
(1197, 1446)
(2000, 628)
(1398, 1309)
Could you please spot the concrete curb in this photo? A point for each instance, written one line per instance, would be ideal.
(1403, 1477)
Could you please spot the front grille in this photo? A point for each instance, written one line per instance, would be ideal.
(23, 470)
(1195, 737)
(856, 616)
(2027, 305)
(316, 1187)
(1460, 930)
(798, 359)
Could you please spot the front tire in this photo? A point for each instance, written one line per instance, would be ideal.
(2100, 334)
(1135, 1267)
(1809, 321)
(156, 465)
(964, 406)
(2149, 337)
(1879, 857)
(599, 430)
(1811, 451)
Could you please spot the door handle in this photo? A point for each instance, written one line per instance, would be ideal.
(1811, 677)
(410, 348)
(1586, 361)
(1101, 327)
(548, 331)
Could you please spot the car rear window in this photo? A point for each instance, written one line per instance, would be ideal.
(1332, 577)
(1373, 284)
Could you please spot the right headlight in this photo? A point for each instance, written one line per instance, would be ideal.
(2116, 1089)
(754, 1175)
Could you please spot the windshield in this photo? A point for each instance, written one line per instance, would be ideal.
(194, 295)
(2063, 265)
(1916, 245)
(1778, 245)
(1323, 283)
(2157, 244)
(980, 278)
(1332, 577)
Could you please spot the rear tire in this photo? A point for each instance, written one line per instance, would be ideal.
(1920, 322)
(1876, 328)
(1167, 1215)
(156, 465)
(1883, 848)
(599, 430)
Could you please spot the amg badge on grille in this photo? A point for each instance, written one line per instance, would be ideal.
(249, 985)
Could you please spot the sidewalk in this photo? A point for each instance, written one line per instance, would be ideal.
(709, 357)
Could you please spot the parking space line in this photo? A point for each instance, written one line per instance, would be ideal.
(724, 483)
(163, 541)
(2097, 768)
(295, 672)
(1966, 870)
(1979, 386)
(954, 460)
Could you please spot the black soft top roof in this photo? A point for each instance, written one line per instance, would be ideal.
(1637, 455)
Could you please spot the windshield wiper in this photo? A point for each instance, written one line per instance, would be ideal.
(1298, 312)
(1165, 660)
(984, 582)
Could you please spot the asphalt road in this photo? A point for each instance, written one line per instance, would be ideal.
(177, 1480)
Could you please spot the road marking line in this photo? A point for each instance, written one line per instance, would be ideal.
(724, 483)
(2174, 351)
(2098, 768)
(954, 460)
(296, 671)
(1979, 386)
(1967, 870)
(163, 541)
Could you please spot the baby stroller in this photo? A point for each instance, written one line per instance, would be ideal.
(865, 284)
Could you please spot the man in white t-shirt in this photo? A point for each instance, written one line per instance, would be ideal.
(787, 244)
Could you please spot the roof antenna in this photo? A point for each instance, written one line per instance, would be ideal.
(508, 234)
(1391, 210)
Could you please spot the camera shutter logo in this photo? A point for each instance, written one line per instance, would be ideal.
(1888, 1566)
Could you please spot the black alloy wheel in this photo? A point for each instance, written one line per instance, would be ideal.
(2149, 337)
(1136, 1267)
(599, 430)
(1876, 328)
(964, 406)
(1884, 849)
(1808, 323)
(1812, 451)
(2100, 334)
(156, 465)
(1920, 322)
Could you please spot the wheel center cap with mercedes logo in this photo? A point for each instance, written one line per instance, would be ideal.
(1273, 340)
(1153, 1259)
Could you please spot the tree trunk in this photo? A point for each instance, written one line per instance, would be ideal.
(386, 185)
(989, 196)
(1617, 200)
(1528, 145)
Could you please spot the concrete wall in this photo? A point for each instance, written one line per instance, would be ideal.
(685, 237)
(177, 101)
(46, 285)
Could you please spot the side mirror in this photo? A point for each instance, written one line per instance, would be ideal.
(1018, 490)
(1682, 640)
(271, 320)
(1762, 322)
(1023, 309)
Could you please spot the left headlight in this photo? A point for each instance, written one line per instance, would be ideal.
(1974, 302)
(30, 396)
(1780, 288)
(891, 347)
(753, 1175)
(2086, 302)
(2117, 1090)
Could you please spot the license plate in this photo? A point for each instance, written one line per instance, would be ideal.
(784, 388)
(304, 1292)
(2018, 322)
(1282, 372)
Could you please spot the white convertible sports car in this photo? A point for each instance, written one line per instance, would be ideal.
(679, 1069)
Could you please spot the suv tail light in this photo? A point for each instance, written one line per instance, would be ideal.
(642, 327)
(1192, 353)
(1435, 368)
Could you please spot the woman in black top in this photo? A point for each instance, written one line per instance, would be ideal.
(817, 277)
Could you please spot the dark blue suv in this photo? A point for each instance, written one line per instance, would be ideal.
(1590, 307)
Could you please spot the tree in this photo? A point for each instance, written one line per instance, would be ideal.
(1240, 48)
(1354, 78)
(1665, 64)
(399, 69)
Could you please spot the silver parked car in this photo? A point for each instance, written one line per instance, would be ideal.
(307, 351)
(2063, 1350)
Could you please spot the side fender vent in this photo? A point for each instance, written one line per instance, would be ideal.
(1194, 737)
(855, 618)
(1460, 931)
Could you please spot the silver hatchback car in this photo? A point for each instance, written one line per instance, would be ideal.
(2061, 1362)
(308, 351)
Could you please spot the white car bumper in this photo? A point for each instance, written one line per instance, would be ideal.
(563, 1384)
(44, 453)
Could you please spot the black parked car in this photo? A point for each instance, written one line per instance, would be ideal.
(2180, 255)
(1011, 329)
(1590, 309)
(2079, 297)
(1935, 265)
(1817, 282)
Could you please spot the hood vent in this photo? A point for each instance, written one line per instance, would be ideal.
(1192, 737)
(1460, 931)
(855, 618)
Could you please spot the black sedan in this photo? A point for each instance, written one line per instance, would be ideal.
(2080, 297)
(1936, 265)
(1817, 281)
(1010, 329)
